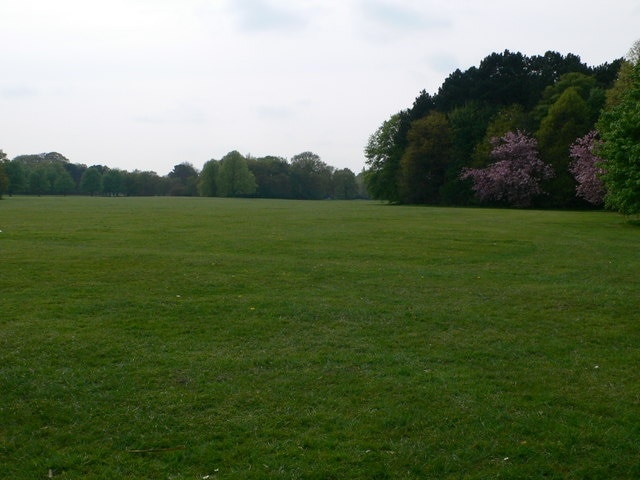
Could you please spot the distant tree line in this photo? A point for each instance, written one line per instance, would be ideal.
(514, 131)
(306, 176)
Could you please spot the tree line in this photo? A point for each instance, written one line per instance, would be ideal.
(514, 131)
(305, 176)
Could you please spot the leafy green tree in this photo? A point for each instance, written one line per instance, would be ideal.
(38, 183)
(619, 129)
(508, 119)
(621, 85)
(383, 154)
(142, 183)
(91, 181)
(234, 178)
(52, 171)
(75, 170)
(426, 159)
(344, 184)
(4, 177)
(362, 184)
(633, 55)
(581, 83)
(624, 80)
(207, 180)
(57, 177)
(63, 183)
(568, 119)
(17, 177)
(112, 182)
(273, 176)
(310, 177)
(468, 125)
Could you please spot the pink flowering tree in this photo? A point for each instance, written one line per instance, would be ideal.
(516, 175)
(586, 168)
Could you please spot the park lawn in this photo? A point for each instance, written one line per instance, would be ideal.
(193, 338)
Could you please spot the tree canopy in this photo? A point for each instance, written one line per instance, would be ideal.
(419, 154)
(306, 176)
(517, 174)
(586, 167)
(234, 177)
(620, 133)
(443, 150)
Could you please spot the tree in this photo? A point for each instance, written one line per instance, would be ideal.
(506, 78)
(426, 159)
(633, 55)
(568, 118)
(63, 183)
(310, 177)
(207, 179)
(624, 78)
(344, 184)
(17, 177)
(142, 183)
(469, 124)
(383, 155)
(91, 181)
(586, 168)
(515, 176)
(4, 177)
(234, 178)
(361, 184)
(183, 180)
(507, 119)
(502, 79)
(112, 182)
(272, 176)
(38, 183)
(582, 84)
(620, 133)
(75, 170)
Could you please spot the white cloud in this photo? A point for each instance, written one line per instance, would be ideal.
(402, 17)
(20, 91)
(275, 112)
(265, 15)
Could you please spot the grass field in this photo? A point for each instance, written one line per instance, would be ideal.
(192, 338)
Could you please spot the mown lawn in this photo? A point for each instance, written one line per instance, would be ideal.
(192, 338)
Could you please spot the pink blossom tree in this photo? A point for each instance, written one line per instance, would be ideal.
(515, 176)
(586, 168)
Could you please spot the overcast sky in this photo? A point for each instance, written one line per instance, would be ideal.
(147, 84)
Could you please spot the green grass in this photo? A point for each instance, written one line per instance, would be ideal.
(175, 338)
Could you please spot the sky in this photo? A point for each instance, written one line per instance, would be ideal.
(148, 84)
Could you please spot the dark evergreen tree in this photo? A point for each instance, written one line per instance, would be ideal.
(183, 180)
